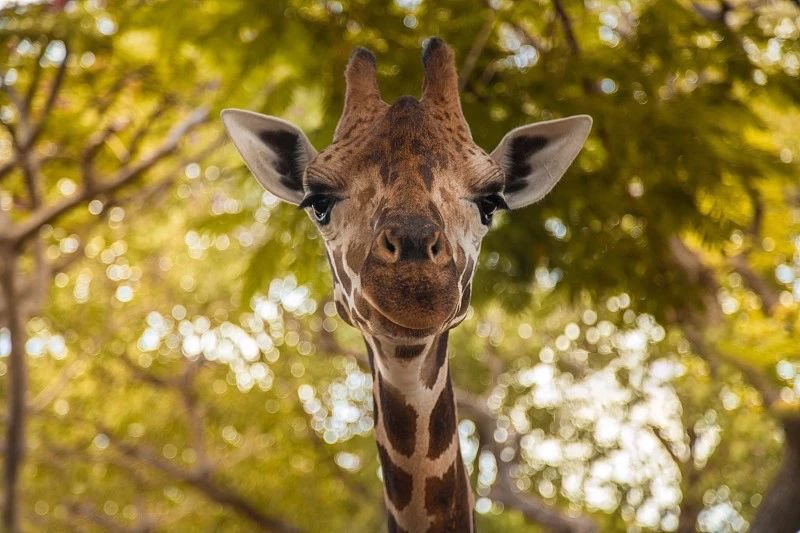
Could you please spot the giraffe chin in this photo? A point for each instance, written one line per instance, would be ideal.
(386, 327)
(411, 304)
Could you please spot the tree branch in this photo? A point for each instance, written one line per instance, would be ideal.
(692, 323)
(17, 390)
(15, 100)
(89, 513)
(7, 167)
(769, 395)
(474, 53)
(740, 262)
(766, 293)
(712, 15)
(35, 77)
(195, 415)
(55, 458)
(105, 101)
(527, 38)
(53, 389)
(183, 386)
(699, 274)
(32, 291)
(666, 444)
(52, 94)
(205, 484)
(144, 129)
(504, 490)
(91, 150)
(49, 214)
(566, 24)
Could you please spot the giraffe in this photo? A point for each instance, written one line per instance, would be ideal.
(402, 198)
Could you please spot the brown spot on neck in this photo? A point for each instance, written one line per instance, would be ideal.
(447, 500)
(434, 360)
(442, 423)
(399, 418)
(397, 482)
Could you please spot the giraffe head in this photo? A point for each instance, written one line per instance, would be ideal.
(403, 196)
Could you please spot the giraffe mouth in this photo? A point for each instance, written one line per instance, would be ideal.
(417, 299)
(391, 328)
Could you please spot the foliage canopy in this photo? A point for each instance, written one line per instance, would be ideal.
(632, 355)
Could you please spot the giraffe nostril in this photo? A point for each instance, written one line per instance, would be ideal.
(435, 247)
(438, 250)
(388, 247)
(388, 244)
(411, 240)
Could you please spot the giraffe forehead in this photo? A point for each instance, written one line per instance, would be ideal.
(407, 143)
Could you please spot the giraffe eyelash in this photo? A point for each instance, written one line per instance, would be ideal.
(488, 205)
(321, 206)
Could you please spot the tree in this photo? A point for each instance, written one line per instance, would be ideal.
(141, 263)
(40, 207)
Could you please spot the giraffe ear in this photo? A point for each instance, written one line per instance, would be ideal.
(275, 151)
(534, 157)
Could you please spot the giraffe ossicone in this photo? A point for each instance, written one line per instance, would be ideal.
(402, 198)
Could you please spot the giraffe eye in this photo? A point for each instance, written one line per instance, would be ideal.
(487, 205)
(321, 206)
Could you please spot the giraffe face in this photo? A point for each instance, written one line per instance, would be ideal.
(403, 197)
(402, 201)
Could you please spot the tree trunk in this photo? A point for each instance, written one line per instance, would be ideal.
(780, 509)
(687, 523)
(17, 390)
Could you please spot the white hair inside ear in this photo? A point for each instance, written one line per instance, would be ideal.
(536, 156)
(276, 152)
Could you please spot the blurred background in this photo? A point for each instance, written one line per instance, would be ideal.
(170, 359)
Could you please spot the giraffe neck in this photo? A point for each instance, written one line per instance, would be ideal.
(426, 487)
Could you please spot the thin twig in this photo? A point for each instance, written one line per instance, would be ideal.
(93, 147)
(766, 293)
(205, 484)
(566, 24)
(89, 513)
(145, 128)
(35, 77)
(667, 445)
(52, 95)
(474, 53)
(48, 214)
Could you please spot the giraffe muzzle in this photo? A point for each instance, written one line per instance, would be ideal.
(409, 275)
